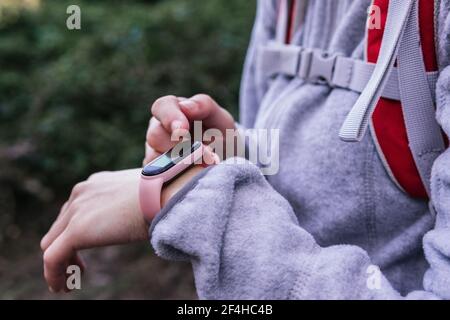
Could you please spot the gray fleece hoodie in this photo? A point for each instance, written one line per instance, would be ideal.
(317, 228)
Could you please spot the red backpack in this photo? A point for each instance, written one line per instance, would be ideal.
(396, 83)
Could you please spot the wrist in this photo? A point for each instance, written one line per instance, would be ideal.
(162, 178)
(172, 187)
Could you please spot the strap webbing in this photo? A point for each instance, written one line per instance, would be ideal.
(356, 123)
(424, 133)
(343, 72)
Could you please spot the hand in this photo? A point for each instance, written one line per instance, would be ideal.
(102, 211)
(172, 118)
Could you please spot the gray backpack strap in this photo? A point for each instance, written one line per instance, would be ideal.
(425, 137)
(275, 58)
(317, 66)
(358, 118)
(355, 74)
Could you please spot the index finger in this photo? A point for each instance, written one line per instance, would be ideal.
(168, 112)
(56, 259)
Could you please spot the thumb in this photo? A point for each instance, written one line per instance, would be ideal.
(203, 107)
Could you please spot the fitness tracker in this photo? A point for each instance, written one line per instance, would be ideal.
(163, 169)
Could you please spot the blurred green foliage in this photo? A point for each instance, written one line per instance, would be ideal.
(76, 102)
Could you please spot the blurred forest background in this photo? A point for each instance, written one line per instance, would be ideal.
(73, 102)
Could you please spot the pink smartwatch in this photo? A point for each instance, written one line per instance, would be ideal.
(163, 169)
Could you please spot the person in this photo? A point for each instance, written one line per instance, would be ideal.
(331, 224)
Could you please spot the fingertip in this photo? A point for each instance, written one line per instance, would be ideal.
(199, 107)
(55, 259)
(168, 112)
(179, 127)
(188, 105)
(44, 243)
(175, 125)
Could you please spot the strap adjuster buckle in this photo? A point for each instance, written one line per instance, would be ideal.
(317, 66)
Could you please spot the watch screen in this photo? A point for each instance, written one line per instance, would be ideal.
(169, 159)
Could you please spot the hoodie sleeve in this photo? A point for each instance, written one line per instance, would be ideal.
(244, 242)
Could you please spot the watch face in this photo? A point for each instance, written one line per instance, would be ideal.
(169, 159)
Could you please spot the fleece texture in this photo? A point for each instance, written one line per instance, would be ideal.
(318, 228)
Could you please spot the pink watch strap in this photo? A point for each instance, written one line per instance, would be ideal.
(151, 186)
(150, 196)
